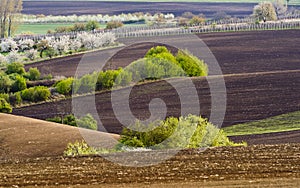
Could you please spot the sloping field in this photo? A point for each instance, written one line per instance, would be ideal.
(249, 97)
(23, 138)
(238, 52)
(111, 8)
(255, 166)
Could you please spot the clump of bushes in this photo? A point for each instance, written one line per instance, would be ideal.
(186, 132)
(5, 106)
(79, 149)
(36, 94)
(87, 121)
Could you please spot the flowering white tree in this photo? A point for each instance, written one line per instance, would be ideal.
(25, 44)
(75, 44)
(2, 61)
(31, 54)
(8, 45)
(62, 44)
(13, 56)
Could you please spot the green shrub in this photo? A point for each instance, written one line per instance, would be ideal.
(5, 96)
(15, 68)
(87, 122)
(36, 94)
(79, 149)
(185, 132)
(19, 84)
(5, 106)
(191, 64)
(85, 84)
(107, 79)
(5, 83)
(34, 74)
(65, 86)
(15, 99)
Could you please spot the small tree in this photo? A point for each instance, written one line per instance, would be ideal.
(280, 7)
(87, 122)
(42, 46)
(196, 20)
(65, 86)
(5, 106)
(92, 25)
(265, 11)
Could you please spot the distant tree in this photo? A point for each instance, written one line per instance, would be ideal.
(42, 46)
(280, 7)
(196, 20)
(114, 24)
(265, 11)
(221, 15)
(79, 27)
(188, 15)
(92, 25)
(9, 10)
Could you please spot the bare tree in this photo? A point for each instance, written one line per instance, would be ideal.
(9, 11)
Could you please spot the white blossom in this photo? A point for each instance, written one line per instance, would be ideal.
(8, 45)
(31, 54)
(13, 56)
(25, 44)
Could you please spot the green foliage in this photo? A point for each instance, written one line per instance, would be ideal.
(79, 149)
(185, 132)
(15, 99)
(92, 25)
(65, 86)
(5, 83)
(281, 123)
(5, 96)
(87, 122)
(191, 64)
(5, 106)
(19, 84)
(36, 94)
(16, 67)
(85, 84)
(114, 24)
(107, 79)
(34, 74)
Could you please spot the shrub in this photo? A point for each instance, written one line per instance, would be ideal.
(36, 94)
(191, 64)
(15, 99)
(114, 24)
(87, 122)
(19, 84)
(185, 132)
(2, 61)
(107, 79)
(85, 84)
(34, 74)
(65, 86)
(196, 20)
(5, 106)
(79, 149)
(5, 96)
(15, 68)
(5, 83)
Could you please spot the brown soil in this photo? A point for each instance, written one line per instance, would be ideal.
(267, 166)
(239, 52)
(112, 8)
(22, 138)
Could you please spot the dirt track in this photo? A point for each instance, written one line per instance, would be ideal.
(273, 166)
